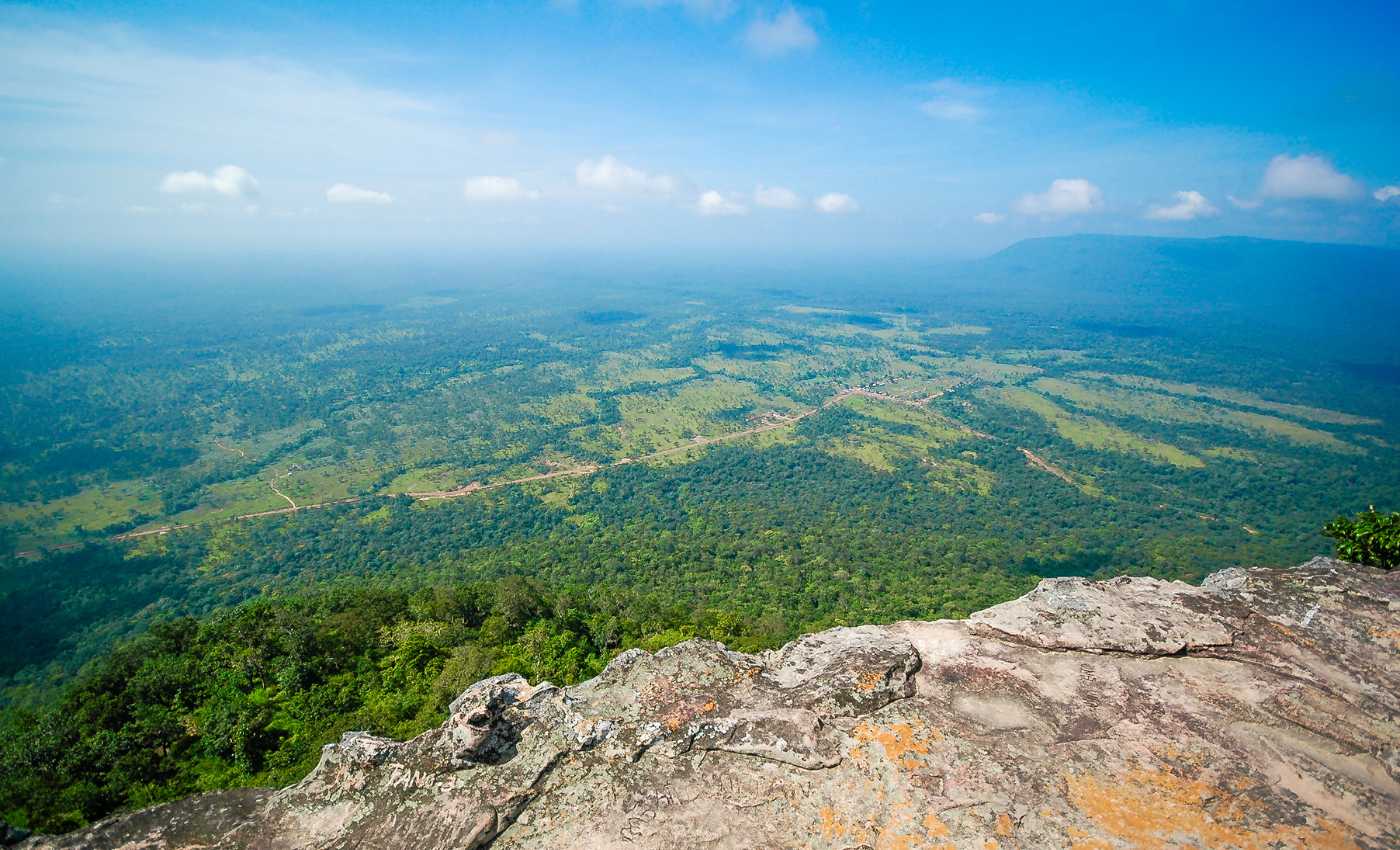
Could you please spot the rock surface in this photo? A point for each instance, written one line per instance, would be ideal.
(1260, 710)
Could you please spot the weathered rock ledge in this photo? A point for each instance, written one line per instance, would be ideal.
(1260, 710)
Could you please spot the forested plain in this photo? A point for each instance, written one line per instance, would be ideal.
(239, 522)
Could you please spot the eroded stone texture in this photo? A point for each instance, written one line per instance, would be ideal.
(1256, 711)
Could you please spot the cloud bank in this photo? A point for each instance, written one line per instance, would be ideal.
(345, 193)
(836, 203)
(610, 174)
(1307, 177)
(1066, 196)
(1190, 205)
(712, 203)
(230, 181)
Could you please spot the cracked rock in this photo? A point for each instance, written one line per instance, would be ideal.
(1256, 711)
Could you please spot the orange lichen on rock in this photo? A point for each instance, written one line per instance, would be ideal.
(899, 831)
(1153, 809)
(901, 742)
(869, 681)
(934, 826)
(684, 712)
(832, 826)
(1079, 840)
(1393, 635)
(1004, 825)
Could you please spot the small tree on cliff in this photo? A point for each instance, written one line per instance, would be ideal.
(1373, 538)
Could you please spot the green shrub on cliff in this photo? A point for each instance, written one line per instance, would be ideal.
(1373, 538)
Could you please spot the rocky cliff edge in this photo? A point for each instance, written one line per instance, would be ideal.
(1259, 710)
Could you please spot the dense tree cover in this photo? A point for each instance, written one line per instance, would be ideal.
(250, 694)
(1372, 538)
(790, 536)
(176, 400)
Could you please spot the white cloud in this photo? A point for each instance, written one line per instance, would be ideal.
(139, 209)
(776, 197)
(344, 193)
(227, 180)
(712, 203)
(1386, 194)
(836, 203)
(1190, 205)
(1307, 177)
(1242, 203)
(612, 175)
(989, 218)
(1066, 196)
(786, 32)
(490, 188)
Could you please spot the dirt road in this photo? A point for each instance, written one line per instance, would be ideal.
(778, 420)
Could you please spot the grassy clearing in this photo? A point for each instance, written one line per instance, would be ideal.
(671, 417)
(980, 368)
(865, 448)
(1087, 432)
(558, 492)
(933, 431)
(891, 434)
(1046, 356)
(1166, 408)
(428, 478)
(917, 386)
(1236, 397)
(566, 409)
(956, 329)
(84, 512)
(952, 475)
(326, 482)
(619, 370)
(228, 499)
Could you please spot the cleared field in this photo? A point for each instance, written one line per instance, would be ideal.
(959, 330)
(979, 368)
(666, 418)
(1088, 432)
(85, 512)
(618, 370)
(890, 433)
(1236, 397)
(567, 409)
(1166, 408)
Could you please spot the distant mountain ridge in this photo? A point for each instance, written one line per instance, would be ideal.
(1294, 287)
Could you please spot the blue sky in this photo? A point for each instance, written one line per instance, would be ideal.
(691, 127)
